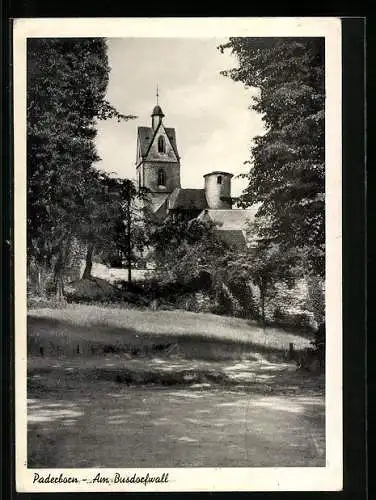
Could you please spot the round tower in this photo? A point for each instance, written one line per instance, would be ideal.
(218, 190)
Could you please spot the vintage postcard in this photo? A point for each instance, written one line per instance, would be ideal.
(178, 244)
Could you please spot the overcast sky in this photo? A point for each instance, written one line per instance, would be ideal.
(209, 112)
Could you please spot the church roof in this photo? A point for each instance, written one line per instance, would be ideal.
(157, 200)
(187, 199)
(231, 219)
(231, 225)
(146, 136)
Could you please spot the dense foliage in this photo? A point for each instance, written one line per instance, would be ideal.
(242, 281)
(287, 163)
(66, 86)
(185, 248)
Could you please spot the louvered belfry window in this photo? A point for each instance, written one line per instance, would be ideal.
(161, 177)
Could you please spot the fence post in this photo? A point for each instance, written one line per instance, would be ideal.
(291, 350)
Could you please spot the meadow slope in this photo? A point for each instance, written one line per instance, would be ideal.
(93, 326)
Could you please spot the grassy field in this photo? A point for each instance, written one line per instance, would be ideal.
(91, 329)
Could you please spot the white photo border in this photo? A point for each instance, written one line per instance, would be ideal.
(328, 478)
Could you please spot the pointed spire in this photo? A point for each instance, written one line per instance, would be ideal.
(157, 114)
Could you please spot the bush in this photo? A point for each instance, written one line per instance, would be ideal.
(242, 292)
(50, 287)
(223, 304)
(320, 341)
(313, 359)
(115, 262)
(132, 287)
(316, 298)
(188, 303)
(91, 290)
(309, 360)
(302, 321)
(37, 302)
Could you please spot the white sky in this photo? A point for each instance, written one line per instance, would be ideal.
(209, 112)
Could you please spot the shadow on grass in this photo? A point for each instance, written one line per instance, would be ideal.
(52, 337)
(43, 447)
(294, 331)
(57, 378)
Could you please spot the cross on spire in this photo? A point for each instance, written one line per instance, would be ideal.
(157, 95)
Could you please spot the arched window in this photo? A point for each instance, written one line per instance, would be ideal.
(161, 177)
(219, 179)
(161, 144)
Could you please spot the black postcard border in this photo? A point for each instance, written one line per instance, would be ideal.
(354, 269)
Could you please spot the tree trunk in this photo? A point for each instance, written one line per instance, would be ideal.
(42, 279)
(263, 309)
(129, 266)
(129, 243)
(89, 261)
(59, 287)
(59, 268)
(262, 299)
(59, 277)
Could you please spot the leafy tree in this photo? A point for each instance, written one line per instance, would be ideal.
(185, 248)
(287, 174)
(66, 87)
(131, 226)
(99, 215)
(265, 266)
(113, 222)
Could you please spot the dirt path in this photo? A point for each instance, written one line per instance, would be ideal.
(259, 414)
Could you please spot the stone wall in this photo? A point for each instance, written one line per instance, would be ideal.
(150, 176)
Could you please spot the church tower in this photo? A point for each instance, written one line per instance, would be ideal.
(158, 161)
